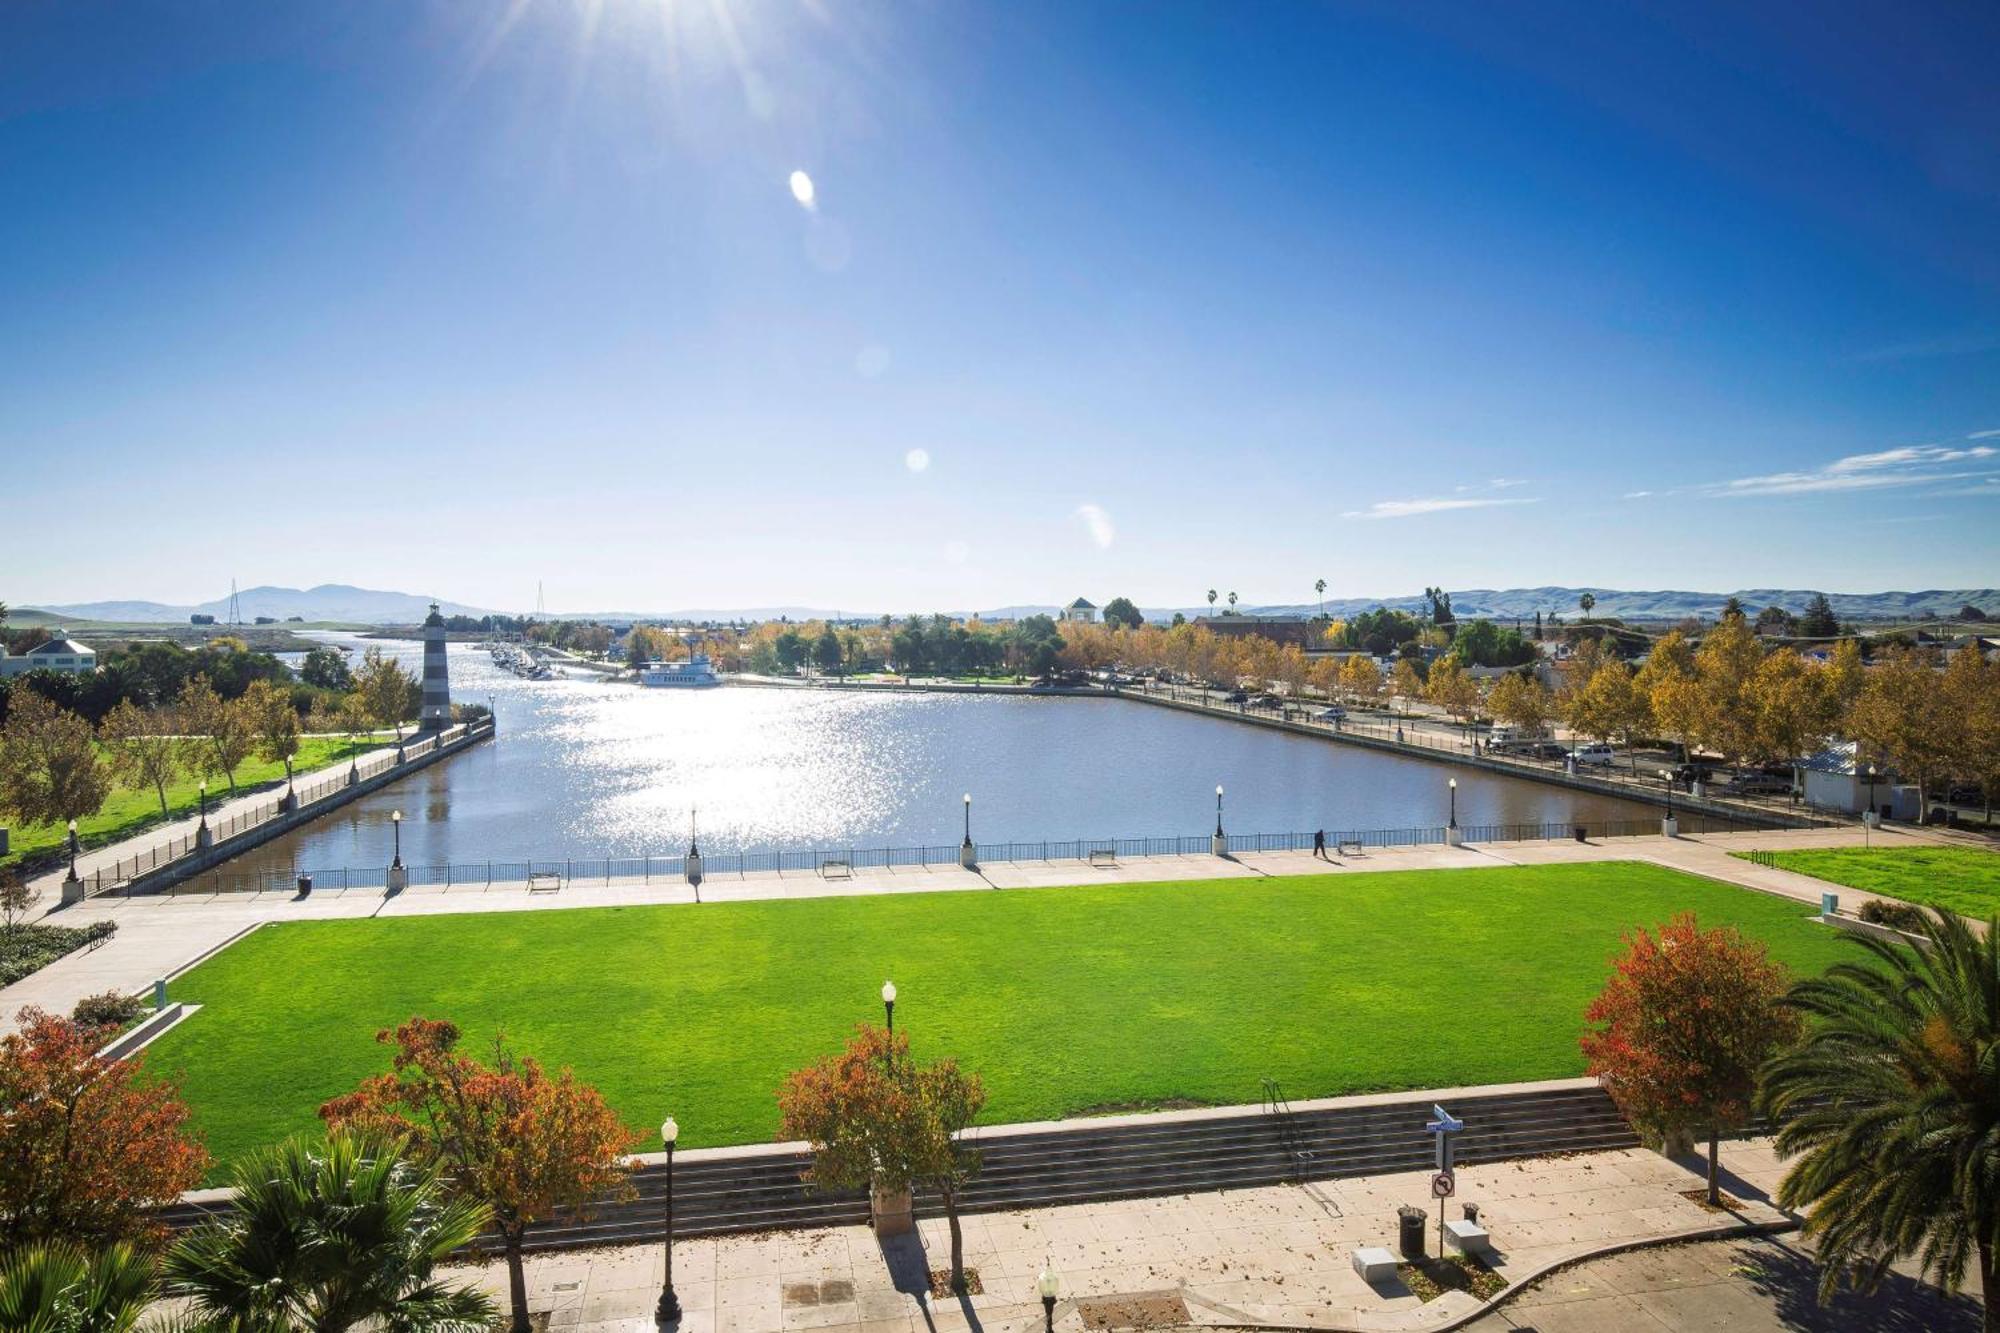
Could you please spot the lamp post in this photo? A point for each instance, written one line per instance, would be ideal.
(396, 823)
(72, 851)
(968, 857)
(1219, 844)
(201, 793)
(889, 1005)
(1868, 815)
(669, 1309)
(1451, 834)
(1048, 1286)
(968, 819)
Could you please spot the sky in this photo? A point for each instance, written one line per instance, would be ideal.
(675, 303)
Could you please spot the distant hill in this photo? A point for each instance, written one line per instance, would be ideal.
(329, 601)
(1510, 603)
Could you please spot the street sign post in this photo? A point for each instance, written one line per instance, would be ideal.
(1442, 1126)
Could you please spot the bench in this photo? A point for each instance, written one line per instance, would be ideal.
(1347, 847)
(1102, 856)
(836, 870)
(1468, 1238)
(544, 881)
(1374, 1264)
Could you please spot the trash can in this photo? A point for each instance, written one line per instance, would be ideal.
(1582, 833)
(1410, 1231)
(1472, 1212)
(305, 883)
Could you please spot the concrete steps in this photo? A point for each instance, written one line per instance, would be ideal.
(1093, 1162)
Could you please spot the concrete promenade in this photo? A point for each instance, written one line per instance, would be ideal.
(1271, 1256)
(160, 934)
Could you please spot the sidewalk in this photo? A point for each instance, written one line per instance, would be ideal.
(1278, 1255)
(161, 934)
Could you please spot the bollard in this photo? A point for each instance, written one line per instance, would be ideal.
(159, 993)
(1829, 904)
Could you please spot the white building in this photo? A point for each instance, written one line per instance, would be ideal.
(1832, 782)
(55, 655)
(1080, 611)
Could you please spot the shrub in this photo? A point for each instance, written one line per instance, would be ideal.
(28, 949)
(1895, 915)
(112, 1009)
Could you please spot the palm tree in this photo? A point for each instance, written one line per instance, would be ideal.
(1588, 602)
(1211, 599)
(63, 1288)
(1232, 603)
(1892, 1104)
(1319, 586)
(330, 1235)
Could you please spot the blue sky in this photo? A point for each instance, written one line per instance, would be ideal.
(1083, 298)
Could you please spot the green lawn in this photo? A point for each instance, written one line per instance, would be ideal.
(1965, 880)
(129, 810)
(1065, 999)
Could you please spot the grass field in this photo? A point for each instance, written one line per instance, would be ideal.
(130, 810)
(1064, 999)
(1965, 880)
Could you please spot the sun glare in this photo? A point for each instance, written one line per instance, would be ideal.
(802, 190)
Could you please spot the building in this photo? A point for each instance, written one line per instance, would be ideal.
(1079, 611)
(1833, 782)
(1279, 629)
(55, 655)
(436, 712)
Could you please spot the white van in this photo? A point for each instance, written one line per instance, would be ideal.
(1597, 752)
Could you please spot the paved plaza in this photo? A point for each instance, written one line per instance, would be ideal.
(1279, 1255)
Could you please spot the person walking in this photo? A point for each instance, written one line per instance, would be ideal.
(1319, 844)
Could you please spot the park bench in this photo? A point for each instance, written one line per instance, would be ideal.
(836, 870)
(1347, 847)
(1102, 857)
(544, 881)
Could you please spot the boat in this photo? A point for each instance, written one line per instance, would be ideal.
(691, 674)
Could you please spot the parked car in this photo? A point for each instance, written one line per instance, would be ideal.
(1512, 740)
(1550, 750)
(1759, 784)
(1236, 697)
(1267, 701)
(1597, 753)
(1333, 714)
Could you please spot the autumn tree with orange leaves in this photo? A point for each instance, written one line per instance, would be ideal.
(1682, 1027)
(877, 1118)
(88, 1146)
(511, 1137)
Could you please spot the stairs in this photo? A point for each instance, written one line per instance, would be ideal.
(1093, 1162)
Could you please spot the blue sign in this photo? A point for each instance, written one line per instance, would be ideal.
(1443, 1126)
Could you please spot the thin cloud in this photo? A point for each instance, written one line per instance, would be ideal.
(1098, 524)
(1910, 465)
(1984, 435)
(1436, 504)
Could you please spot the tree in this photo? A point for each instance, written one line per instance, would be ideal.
(1232, 605)
(1211, 601)
(1887, 1107)
(1407, 682)
(219, 733)
(145, 747)
(1681, 1028)
(383, 689)
(332, 1236)
(1319, 590)
(1818, 622)
(326, 669)
(1775, 620)
(1523, 703)
(873, 1117)
(512, 1138)
(17, 898)
(275, 721)
(1451, 689)
(1791, 712)
(88, 1146)
(61, 1287)
(1120, 611)
(1900, 715)
(1360, 678)
(50, 768)
(1587, 603)
(1724, 665)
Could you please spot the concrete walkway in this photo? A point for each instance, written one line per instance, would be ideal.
(1279, 1255)
(161, 934)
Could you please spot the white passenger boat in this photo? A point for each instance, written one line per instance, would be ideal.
(693, 673)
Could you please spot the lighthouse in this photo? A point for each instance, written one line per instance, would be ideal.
(436, 714)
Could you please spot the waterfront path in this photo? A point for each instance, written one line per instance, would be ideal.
(1269, 1256)
(159, 935)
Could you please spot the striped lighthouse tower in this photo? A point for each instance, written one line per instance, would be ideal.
(436, 714)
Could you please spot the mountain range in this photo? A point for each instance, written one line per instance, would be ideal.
(365, 606)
